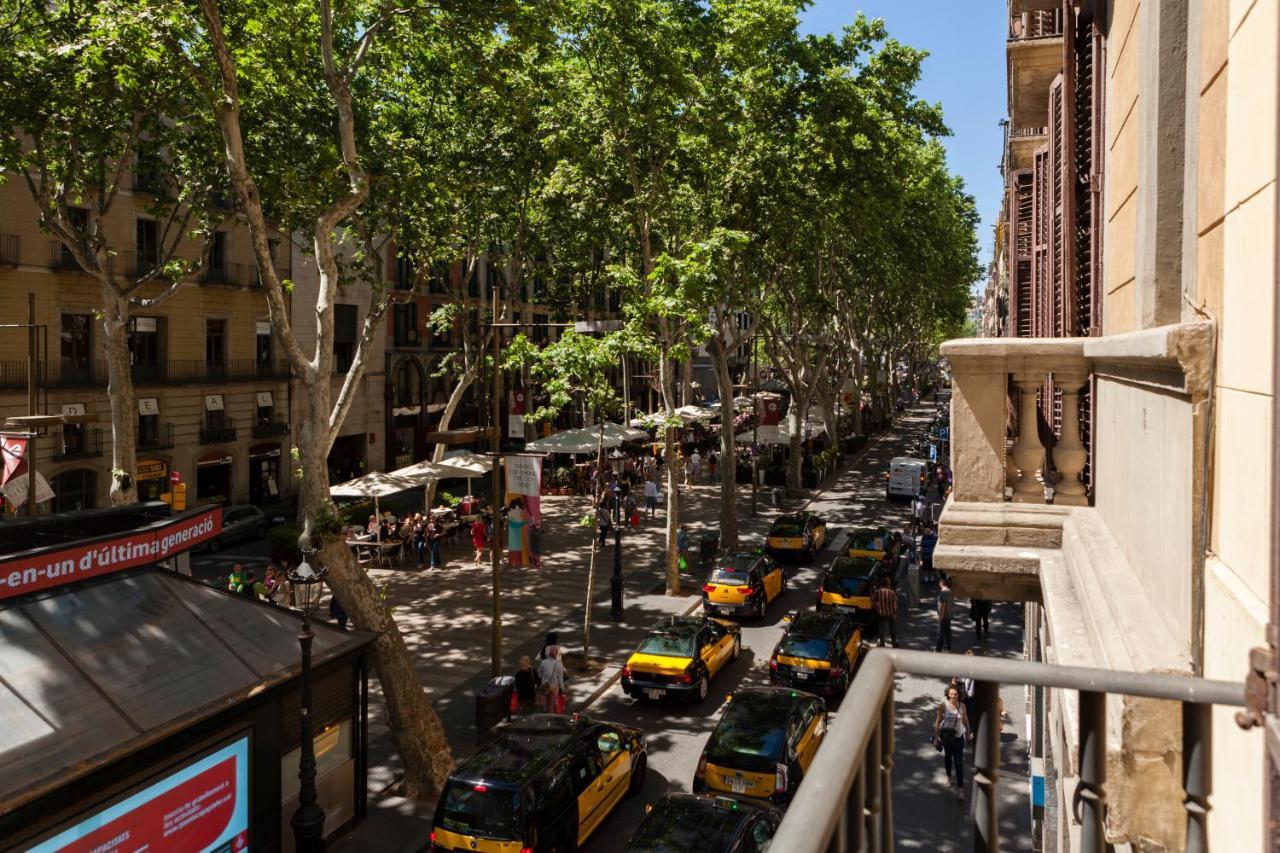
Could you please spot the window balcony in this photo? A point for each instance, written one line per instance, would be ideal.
(217, 433)
(10, 250)
(1034, 50)
(162, 439)
(66, 374)
(86, 446)
(270, 429)
(851, 805)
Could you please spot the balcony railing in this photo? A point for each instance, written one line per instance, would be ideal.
(13, 374)
(846, 800)
(239, 275)
(161, 440)
(218, 433)
(88, 445)
(1027, 132)
(1035, 25)
(60, 259)
(270, 429)
(10, 250)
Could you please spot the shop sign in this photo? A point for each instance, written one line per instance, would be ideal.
(144, 324)
(524, 474)
(151, 469)
(263, 327)
(203, 805)
(213, 403)
(50, 569)
(148, 406)
(210, 461)
(75, 410)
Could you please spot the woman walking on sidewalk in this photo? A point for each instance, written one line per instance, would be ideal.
(950, 730)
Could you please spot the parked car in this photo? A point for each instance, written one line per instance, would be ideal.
(906, 477)
(700, 823)
(679, 657)
(239, 524)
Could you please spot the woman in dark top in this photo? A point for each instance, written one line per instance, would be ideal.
(526, 686)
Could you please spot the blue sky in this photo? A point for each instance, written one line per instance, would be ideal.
(965, 71)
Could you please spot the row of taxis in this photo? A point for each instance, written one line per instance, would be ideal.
(545, 783)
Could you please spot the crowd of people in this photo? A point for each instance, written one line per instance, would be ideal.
(275, 588)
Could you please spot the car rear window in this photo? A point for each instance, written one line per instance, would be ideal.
(479, 810)
(811, 648)
(751, 736)
(682, 824)
(668, 645)
(787, 527)
(847, 586)
(731, 576)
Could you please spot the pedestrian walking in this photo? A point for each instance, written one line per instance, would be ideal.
(950, 730)
(252, 587)
(980, 613)
(695, 464)
(528, 696)
(551, 673)
(336, 613)
(479, 535)
(687, 467)
(420, 542)
(435, 533)
(682, 546)
(552, 640)
(886, 607)
(604, 520)
(235, 580)
(650, 498)
(945, 602)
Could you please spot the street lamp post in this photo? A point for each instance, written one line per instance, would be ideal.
(615, 582)
(308, 820)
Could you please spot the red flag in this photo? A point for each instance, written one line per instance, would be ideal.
(517, 402)
(13, 450)
(770, 411)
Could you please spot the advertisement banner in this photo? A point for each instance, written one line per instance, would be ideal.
(22, 575)
(516, 412)
(13, 451)
(524, 475)
(203, 807)
(770, 411)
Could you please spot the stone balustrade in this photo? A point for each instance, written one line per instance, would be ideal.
(986, 467)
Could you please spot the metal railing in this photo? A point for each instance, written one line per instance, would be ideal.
(1035, 25)
(13, 374)
(1027, 132)
(162, 440)
(62, 260)
(846, 800)
(215, 433)
(10, 250)
(86, 445)
(270, 429)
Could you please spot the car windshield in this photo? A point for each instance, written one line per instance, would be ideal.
(847, 585)
(681, 824)
(810, 648)
(731, 576)
(478, 810)
(752, 734)
(668, 644)
(867, 540)
(787, 527)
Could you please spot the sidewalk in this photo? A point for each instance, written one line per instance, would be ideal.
(445, 618)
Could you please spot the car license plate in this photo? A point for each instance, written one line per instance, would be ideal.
(654, 694)
(738, 785)
(803, 674)
(802, 670)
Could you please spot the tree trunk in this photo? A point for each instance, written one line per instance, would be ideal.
(595, 550)
(446, 418)
(686, 384)
(796, 456)
(124, 406)
(728, 454)
(666, 371)
(419, 736)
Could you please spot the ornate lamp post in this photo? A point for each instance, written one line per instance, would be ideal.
(308, 820)
(616, 461)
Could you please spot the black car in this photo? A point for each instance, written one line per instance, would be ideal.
(690, 823)
(743, 584)
(817, 652)
(541, 783)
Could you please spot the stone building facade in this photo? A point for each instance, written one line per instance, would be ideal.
(1130, 498)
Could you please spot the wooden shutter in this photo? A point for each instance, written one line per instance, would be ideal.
(1020, 252)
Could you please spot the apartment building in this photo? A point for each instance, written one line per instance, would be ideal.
(1130, 499)
(212, 389)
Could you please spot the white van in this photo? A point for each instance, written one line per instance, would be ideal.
(906, 477)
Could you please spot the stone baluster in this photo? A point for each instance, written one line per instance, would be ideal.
(1027, 451)
(1069, 454)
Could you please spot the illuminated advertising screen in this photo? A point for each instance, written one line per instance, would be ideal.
(201, 807)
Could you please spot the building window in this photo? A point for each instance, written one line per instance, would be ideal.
(218, 253)
(75, 490)
(215, 420)
(144, 348)
(408, 384)
(77, 340)
(439, 280)
(266, 414)
(540, 328)
(404, 324)
(215, 347)
(147, 245)
(262, 348)
(72, 438)
(473, 281)
(344, 337)
(404, 273)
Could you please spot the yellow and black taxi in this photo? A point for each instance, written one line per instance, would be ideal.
(869, 542)
(679, 657)
(698, 823)
(541, 783)
(798, 534)
(743, 584)
(847, 586)
(763, 744)
(817, 652)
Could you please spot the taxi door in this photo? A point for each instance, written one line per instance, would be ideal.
(615, 777)
(720, 642)
(853, 645)
(584, 771)
(813, 726)
(709, 651)
(772, 581)
(819, 534)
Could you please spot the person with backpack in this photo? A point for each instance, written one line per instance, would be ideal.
(528, 695)
(551, 672)
(950, 731)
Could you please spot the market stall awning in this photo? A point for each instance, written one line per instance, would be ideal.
(377, 484)
(425, 472)
(88, 673)
(471, 464)
(781, 434)
(586, 440)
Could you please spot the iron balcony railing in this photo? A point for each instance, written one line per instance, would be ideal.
(270, 429)
(239, 275)
(1035, 25)
(215, 433)
(86, 374)
(846, 800)
(10, 250)
(161, 439)
(86, 445)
